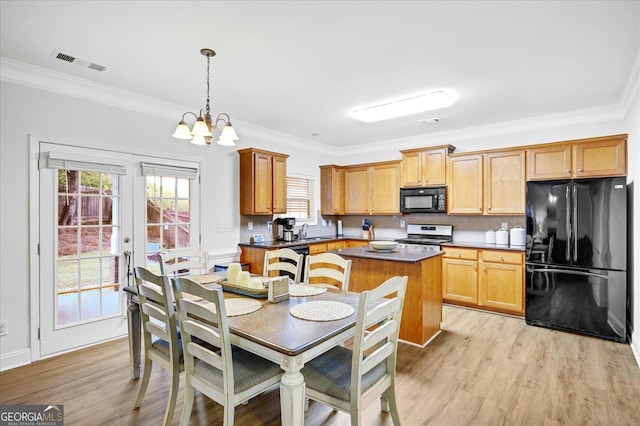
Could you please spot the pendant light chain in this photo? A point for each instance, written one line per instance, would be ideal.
(208, 109)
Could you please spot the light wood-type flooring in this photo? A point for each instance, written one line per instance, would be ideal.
(483, 369)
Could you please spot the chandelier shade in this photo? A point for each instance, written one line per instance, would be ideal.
(204, 129)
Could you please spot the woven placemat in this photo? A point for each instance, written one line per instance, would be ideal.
(237, 306)
(322, 310)
(301, 290)
(205, 279)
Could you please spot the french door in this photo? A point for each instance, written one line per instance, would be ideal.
(100, 214)
(85, 228)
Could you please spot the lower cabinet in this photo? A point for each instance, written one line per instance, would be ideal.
(485, 279)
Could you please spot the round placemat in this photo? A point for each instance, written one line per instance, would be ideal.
(205, 279)
(322, 310)
(301, 290)
(237, 306)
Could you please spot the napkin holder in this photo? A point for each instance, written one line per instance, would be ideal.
(278, 289)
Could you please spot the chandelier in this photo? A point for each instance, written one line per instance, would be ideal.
(204, 128)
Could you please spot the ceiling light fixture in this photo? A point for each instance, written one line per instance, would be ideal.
(204, 129)
(405, 106)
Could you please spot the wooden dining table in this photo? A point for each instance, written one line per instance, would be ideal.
(273, 333)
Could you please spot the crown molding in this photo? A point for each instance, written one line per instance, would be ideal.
(54, 81)
(564, 119)
(632, 86)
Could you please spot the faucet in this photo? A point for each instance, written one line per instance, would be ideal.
(303, 231)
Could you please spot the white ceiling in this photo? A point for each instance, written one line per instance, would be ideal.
(299, 67)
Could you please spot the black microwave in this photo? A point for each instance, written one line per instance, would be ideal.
(423, 200)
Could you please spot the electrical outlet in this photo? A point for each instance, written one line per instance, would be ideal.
(505, 226)
(3, 328)
(402, 224)
(250, 226)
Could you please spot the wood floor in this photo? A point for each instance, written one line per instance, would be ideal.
(483, 369)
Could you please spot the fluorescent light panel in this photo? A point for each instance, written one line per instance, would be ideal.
(402, 107)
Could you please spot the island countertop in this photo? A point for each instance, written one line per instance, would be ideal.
(400, 254)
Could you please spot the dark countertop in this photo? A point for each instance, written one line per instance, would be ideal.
(311, 240)
(484, 246)
(397, 255)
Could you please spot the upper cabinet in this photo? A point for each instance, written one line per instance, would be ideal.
(492, 183)
(263, 182)
(504, 183)
(425, 166)
(331, 190)
(594, 157)
(464, 192)
(372, 188)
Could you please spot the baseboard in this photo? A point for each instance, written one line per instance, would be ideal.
(15, 359)
(635, 346)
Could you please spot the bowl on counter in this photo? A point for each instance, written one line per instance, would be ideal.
(383, 245)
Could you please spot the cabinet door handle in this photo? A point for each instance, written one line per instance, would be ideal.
(502, 258)
(579, 170)
(459, 255)
(489, 208)
(567, 171)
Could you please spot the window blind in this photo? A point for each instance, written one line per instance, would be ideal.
(300, 198)
(56, 160)
(153, 169)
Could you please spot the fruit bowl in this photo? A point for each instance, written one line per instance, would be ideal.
(383, 245)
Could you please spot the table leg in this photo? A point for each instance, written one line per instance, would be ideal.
(133, 320)
(292, 391)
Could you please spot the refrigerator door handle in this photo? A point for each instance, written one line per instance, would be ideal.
(570, 271)
(574, 224)
(568, 225)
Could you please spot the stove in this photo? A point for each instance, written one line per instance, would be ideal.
(426, 237)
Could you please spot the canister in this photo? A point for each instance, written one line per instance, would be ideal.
(502, 237)
(518, 236)
(490, 237)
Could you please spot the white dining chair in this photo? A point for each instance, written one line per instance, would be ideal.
(230, 375)
(162, 344)
(187, 260)
(328, 269)
(283, 259)
(349, 380)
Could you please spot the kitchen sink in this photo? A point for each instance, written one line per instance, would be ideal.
(315, 239)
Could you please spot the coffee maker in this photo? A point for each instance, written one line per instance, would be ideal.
(284, 226)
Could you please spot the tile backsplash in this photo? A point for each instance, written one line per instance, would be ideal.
(465, 228)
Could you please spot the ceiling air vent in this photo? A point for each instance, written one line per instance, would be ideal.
(85, 63)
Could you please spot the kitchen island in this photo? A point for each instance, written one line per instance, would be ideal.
(422, 312)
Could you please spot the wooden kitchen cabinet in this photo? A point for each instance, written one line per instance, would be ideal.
(263, 182)
(425, 166)
(504, 182)
(593, 157)
(485, 279)
(460, 275)
(464, 191)
(501, 281)
(331, 190)
(372, 188)
(490, 183)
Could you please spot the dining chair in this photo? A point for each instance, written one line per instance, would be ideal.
(350, 379)
(162, 344)
(327, 269)
(230, 375)
(283, 260)
(183, 260)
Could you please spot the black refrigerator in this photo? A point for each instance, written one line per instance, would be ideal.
(576, 252)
